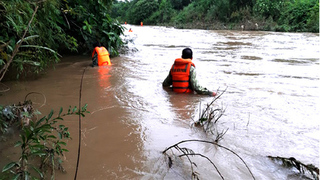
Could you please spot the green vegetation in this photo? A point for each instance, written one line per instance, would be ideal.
(41, 140)
(34, 33)
(270, 15)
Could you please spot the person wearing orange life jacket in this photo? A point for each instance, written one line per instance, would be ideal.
(100, 55)
(182, 76)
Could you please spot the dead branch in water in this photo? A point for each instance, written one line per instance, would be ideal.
(208, 121)
(209, 117)
(5, 88)
(44, 98)
(301, 167)
(189, 152)
(210, 105)
(22, 112)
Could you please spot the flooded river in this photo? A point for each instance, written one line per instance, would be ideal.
(271, 105)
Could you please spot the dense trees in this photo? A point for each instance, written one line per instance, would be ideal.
(300, 16)
(58, 26)
(142, 9)
(276, 15)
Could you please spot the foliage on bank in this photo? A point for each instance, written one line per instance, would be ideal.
(56, 27)
(277, 15)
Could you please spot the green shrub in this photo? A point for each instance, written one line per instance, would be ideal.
(141, 10)
(300, 16)
(57, 26)
(42, 145)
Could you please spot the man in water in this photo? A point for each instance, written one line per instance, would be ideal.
(100, 55)
(182, 76)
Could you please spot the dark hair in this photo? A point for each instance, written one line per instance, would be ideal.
(96, 44)
(187, 53)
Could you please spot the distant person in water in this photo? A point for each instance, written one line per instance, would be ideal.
(100, 55)
(182, 76)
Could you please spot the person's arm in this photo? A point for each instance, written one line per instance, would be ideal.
(95, 60)
(168, 81)
(195, 84)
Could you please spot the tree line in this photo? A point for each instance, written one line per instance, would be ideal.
(268, 15)
(34, 33)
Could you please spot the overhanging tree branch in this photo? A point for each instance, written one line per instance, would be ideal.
(16, 49)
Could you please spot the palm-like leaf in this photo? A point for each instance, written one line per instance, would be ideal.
(40, 47)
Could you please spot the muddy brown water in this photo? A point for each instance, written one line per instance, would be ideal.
(271, 105)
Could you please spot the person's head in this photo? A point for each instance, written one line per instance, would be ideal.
(96, 44)
(186, 53)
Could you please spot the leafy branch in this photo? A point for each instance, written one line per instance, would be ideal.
(43, 140)
(16, 49)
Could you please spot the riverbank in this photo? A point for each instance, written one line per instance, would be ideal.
(245, 25)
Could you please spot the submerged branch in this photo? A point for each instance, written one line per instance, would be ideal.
(209, 142)
(209, 105)
(44, 97)
(209, 117)
(5, 89)
(301, 167)
(201, 155)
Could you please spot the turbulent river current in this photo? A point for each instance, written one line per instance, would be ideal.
(269, 83)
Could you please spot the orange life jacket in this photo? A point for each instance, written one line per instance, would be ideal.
(180, 72)
(103, 56)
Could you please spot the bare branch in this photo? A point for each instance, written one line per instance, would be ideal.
(197, 154)
(301, 167)
(44, 97)
(217, 97)
(209, 142)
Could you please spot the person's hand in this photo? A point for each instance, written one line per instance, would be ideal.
(213, 94)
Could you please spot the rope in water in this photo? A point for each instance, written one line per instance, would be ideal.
(79, 147)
